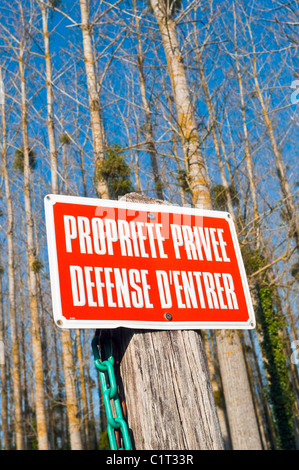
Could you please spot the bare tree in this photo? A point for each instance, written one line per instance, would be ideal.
(94, 103)
(148, 126)
(41, 418)
(11, 279)
(68, 363)
(236, 386)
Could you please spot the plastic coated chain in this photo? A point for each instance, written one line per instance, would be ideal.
(106, 368)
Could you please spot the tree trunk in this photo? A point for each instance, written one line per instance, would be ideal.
(25, 388)
(194, 161)
(243, 422)
(175, 151)
(69, 369)
(214, 373)
(82, 388)
(288, 199)
(225, 184)
(4, 394)
(173, 404)
(149, 133)
(89, 384)
(11, 284)
(212, 118)
(71, 399)
(264, 406)
(94, 102)
(50, 111)
(65, 166)
(165, 383)
(201, 197)
(256, 216)
(253, 423)
(41, 420)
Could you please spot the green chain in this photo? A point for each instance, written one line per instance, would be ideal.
(110, 393)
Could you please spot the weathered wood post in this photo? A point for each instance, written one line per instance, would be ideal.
(164, 380)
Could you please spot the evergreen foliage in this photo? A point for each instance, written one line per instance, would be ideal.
(271, 323)
(280, 393)
(253, 259)
(116, 172)
(104, 441)
(64, 139)
(182, 179)
(18, 163)
(54, 3)
(36, 266)
(219, 196)
(173, 6)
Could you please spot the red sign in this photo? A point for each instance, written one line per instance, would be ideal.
(114, 263)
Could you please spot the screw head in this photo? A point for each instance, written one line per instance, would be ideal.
(168, 316)
(59, 322)
(151, 216)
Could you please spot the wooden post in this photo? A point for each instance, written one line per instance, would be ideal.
(164, 381)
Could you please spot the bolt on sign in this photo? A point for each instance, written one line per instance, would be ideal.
(114, 263)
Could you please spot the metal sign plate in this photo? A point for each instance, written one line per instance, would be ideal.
(114, 263)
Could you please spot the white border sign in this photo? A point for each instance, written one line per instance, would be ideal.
(155, 246)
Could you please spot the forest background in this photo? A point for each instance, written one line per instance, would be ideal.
(89, 108)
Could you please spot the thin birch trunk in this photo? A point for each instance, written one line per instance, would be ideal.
(27, 408)
(8, 365)
(44, 339)
(217, 145)
(81, 152)
(60, 414)
(217, 391)
(225, 184)
(3, 381)
(94, 101)
(81, 148)
(82, 388)
(41, 420)
(254, 392)
(288, 199)
(175, 151)
(70, 390)
(133, 158)
(265, 408)
(11, 282)
(91, 418)
(220, 145)
(71, 398)
(249, 167)
(232, 364)
(250, 175)
(149, 133)
(68, 364)
(280, 171)
(194, 161)
(236, 171)
(65, 169)
(238, 398)
(50, 99)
